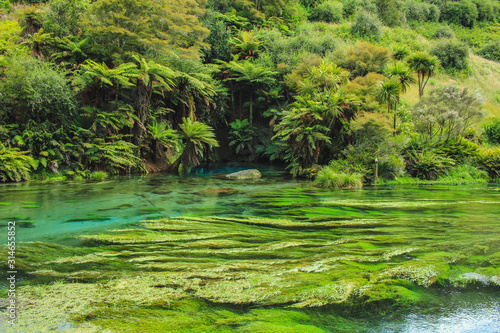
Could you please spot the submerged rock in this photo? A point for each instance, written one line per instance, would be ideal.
(245, 174)
(215, 192)
(162, 192)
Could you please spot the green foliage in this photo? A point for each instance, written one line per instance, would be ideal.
(427, 164)
(457, 148)
(400, 52)
(34, 90)
(444, 32)
(98, 175)
(388, 91)
(463, 12)
(63, 17)
(301, 135)
(425, 66)
(162, 136)
(15, 165)
(242, 134)
(389, 12)
(492, 130)
(112, 156)
(197, 136)
(491, 51)
(142, 26)
(453, 55)
(219, 39)
(330, 176)
(365, 57)
(421, 11)
(309, 40)
(246, 45)
(488, 160)
(367, 25)
(446, 113)
(328, 11)
(10, 33)
(364, 88)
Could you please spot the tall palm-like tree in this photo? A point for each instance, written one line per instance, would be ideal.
(71, 51)
(162, 136)
(401, 72)
(196, 136)
(246, 45)
(190, 87)
(301, 134)
(149, 74)
(388, 92)
(38, 43)
(104, 77)
(252, 75)
(425, 65)
(327, 78)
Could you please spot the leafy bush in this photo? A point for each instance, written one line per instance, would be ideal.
(34, 90)
(15, 165)
(421, 11)
(492, 130)
(328, 11)
(366, 57)
(367, 25)
(446, 113)
(462, 12)
(444, 32)
(489, 161)
(242, 134)
(453, 55)
(487, 10)
(491, 51)
(351, 7)
(427, 164)
(389, 12)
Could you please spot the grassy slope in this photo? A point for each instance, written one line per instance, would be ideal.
(484, 77)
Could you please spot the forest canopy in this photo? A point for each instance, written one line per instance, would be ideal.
(142, 86)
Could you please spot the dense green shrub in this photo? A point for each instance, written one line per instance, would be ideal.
(367, 25)
(219, 40)
(492, 130)
(421, 11)
(446, 113)
(491, 51)
(487, 10)
(242, 133)
(444, 32)
(453, 55)
(389, 12)
(427, 164)
(366, 57)
(63, 17)
(351, 7)
(35, 90)
(489, 161)
(328, 11)
(462, 12)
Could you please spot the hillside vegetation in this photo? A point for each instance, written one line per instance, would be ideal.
(351, 90)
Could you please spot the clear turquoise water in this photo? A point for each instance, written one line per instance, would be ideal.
(61, 210)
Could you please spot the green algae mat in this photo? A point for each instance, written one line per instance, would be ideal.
(304, 260)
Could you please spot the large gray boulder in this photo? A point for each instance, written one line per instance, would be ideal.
(244, 174)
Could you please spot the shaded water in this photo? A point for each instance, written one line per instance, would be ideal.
(282, 256)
